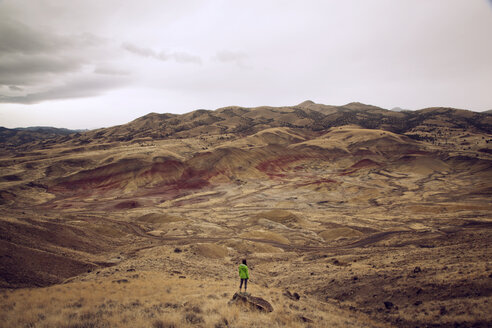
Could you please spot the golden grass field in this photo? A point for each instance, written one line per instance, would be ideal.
(154, 299)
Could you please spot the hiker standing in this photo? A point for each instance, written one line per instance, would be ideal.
(244, 275)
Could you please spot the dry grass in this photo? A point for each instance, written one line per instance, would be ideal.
(248, 247)
(337, 233)
(266, 235)
(278, 215)
(209, 250)
(156, 300)
(158, 218)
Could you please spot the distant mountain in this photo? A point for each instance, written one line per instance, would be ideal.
(49, 129)
(398, 109)
(19, 136)
(429, 124)
(241, 121)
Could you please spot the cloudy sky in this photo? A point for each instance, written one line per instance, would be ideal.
(94, 63)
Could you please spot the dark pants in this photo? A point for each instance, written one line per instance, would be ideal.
(245, 283)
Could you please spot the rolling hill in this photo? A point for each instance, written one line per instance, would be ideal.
(358, 208)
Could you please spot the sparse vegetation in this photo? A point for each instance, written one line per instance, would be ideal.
(147, 302)
(382, 221)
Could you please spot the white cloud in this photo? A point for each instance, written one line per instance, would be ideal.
(79, 87)
(180, 57)
(229, 56)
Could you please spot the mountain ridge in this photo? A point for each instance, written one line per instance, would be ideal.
(19, 136)
(246, 121)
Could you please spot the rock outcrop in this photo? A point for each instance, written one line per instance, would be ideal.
(256, 303)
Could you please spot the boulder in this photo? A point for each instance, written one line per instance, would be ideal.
(256, 303)
(292, 296)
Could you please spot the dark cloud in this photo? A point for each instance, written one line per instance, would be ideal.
(32, 69)
(14, 88)
(110, 71)
(33, 59)
(87, 86)
(26, 52)
(144, 52)
(180, 57)
(18, 38)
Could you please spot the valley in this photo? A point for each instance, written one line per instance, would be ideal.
(374, 218)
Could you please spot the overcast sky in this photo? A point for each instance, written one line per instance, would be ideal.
(95, 63)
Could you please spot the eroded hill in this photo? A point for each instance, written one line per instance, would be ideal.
(383, 214)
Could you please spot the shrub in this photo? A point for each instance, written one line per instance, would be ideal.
(193, 318)
(162, 324)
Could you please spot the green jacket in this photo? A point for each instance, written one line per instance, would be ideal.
(243, 271)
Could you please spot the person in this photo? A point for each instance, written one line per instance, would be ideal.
(243, 275)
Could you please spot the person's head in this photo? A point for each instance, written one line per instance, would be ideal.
(244, 261)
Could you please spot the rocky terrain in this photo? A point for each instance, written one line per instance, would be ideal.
(348, 216)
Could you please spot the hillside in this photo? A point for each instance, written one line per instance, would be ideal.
(18, 136)
(432, 124)
(373, 217)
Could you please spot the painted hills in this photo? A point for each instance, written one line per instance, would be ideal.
(383, 214)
